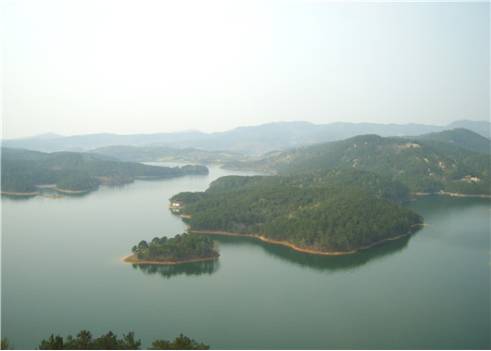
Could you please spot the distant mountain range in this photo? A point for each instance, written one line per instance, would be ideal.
(456, 160)
(253, 140)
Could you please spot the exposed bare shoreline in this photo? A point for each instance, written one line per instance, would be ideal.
(295, 247)
(34, 193)
(68, 191)
(134, 260)
(444, 193)
(14, 193)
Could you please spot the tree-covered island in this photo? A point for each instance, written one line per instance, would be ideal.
(327, 213)
(182, 248)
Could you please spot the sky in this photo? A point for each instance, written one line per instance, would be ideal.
(146, 66)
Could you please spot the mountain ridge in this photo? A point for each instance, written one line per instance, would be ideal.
(253, 140)
(424, 165)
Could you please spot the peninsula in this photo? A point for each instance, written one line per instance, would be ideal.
(330, 214)
(28, 173)
(182, 248)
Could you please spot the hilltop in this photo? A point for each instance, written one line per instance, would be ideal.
(460, 137)
(424, 164)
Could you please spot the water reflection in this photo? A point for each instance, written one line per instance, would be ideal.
(436, 206)
(318, 262)
(169, 271)
(18, 197)
(46, 193)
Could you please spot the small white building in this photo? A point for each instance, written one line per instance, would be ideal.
(471, 179)
(175, 206)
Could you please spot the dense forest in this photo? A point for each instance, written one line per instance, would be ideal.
(461, 137)
(433, 163)
(377, 185)
(23, 170)
(181, 247)
(326, 212)
(110, 341)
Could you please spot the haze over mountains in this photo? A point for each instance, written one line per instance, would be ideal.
(252, 140)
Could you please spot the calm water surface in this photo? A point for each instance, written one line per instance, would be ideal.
(61, 272)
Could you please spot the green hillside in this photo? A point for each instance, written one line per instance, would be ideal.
(337, 211)
(422, 165)
(164, 153)
(23, 170)
(460, 137)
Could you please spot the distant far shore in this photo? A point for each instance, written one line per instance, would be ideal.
(135, 260)
(445, 193)
(294, 247)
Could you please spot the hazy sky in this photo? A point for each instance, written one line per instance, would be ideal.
(75, 67)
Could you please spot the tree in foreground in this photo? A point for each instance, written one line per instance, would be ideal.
(182, 342)
(110, 341)
(4, 345)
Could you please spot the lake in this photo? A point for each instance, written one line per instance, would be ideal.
(61, 272)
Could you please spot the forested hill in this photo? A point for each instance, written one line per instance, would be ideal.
(23, 170)
(460, 137)
(424, 165)
(341, 211)
(376, 185)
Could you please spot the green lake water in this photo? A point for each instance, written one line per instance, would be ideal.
(61, 272)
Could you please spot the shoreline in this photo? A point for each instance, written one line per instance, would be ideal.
(35, 193)
(134, 260)
(15, 193)
(445, 193)
(298, 248)
(68, 191)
